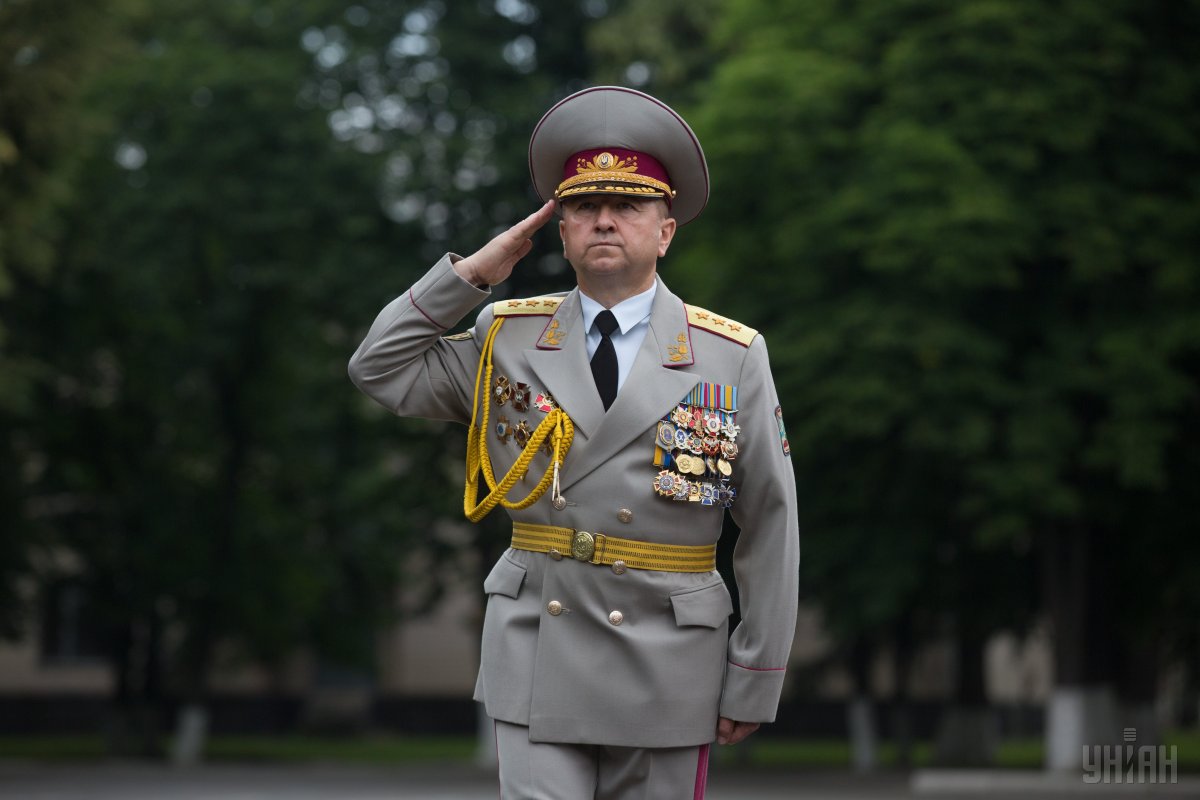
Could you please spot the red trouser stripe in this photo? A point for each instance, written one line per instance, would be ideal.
(701, 773)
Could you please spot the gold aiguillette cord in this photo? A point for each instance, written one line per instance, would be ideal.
(557, 425)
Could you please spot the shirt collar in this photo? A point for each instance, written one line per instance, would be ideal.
(629, 312)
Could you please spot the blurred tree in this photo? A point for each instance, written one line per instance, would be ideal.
(982, 307)
(271, 175)
(229, 488)
(662, 48)
(46, 51)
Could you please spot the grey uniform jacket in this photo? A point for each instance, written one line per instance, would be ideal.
(660, 676)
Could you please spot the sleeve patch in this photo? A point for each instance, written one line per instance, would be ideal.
(783, 440)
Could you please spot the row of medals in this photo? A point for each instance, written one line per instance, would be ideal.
(697, 443)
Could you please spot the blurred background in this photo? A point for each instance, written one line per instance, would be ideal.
(968, 231)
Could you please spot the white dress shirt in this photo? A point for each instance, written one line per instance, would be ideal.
(633, 317)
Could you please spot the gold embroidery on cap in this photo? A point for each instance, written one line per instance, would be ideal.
(607, 167)
(607, 162)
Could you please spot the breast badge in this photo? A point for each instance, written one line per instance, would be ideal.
(501, 390)
(695, 447)
(520, 397)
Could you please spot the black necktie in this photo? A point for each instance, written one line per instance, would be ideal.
(604, 361)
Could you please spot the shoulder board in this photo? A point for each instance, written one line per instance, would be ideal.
(531, 307)
(721, 326)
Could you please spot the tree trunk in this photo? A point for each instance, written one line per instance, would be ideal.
(969, 732)
(902, 723)
(860, 715)
(133, 728)
(191, 736)
(1137, 693)
(1082, 710)
(191, 729)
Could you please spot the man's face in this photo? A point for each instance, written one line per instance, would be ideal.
(607, 237)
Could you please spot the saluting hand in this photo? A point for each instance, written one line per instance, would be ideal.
(494, 262)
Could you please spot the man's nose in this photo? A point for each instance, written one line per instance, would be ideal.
(604, 218)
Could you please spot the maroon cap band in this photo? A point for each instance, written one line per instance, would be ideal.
(614, 170)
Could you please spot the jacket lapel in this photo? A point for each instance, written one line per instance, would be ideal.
(654, 386)
(561, 364)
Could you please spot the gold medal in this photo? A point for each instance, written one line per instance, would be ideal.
(697, 466)
(501, 390)
(724, 467)
(684, 463)
(665, 484)
(666, 435)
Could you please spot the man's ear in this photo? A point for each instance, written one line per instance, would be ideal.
(665, 234)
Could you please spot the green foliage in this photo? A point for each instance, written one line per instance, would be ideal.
(198, 403)
(976, 278)
(659, 47)
(262, 178)
(48, 49)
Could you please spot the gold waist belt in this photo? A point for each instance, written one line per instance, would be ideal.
(597, 548)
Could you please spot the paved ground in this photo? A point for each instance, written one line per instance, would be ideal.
(134, 781)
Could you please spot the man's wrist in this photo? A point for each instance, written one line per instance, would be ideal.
(466, 271)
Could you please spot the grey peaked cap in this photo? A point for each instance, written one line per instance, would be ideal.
(614, 116)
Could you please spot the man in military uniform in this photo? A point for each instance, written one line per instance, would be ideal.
(614, 423)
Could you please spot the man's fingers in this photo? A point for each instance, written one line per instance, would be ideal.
(731, 732)
(493, 263)
(528, 226)
(521, 252)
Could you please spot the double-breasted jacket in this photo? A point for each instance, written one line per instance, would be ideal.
(590, 653)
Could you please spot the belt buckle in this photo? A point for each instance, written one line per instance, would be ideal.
(583, 546)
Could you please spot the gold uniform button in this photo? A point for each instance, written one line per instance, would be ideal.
(616, 617)
(557, 556)
(625, 515)
(618, 567)
(554, 607)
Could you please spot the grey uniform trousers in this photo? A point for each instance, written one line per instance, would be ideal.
(552, 771)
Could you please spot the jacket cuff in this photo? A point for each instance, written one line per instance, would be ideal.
(443, 296)
(751, 695)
